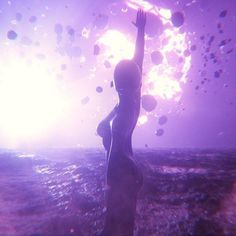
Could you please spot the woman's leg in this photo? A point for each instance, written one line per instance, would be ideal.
(124, 185)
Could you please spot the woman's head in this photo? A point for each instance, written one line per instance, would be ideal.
(127, 75)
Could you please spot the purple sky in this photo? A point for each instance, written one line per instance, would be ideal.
(204, 115)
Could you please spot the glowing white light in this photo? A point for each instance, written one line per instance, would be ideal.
(82, 59)
(85, 32)
(166, 13)
(162, 84)
(148, 7)
(165, 80)
(30, 100)
(142, 120)
(117, 46)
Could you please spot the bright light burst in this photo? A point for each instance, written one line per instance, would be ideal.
(164, 80)
(117, 46)
(30, 100)
(143, 119)
(161, 84)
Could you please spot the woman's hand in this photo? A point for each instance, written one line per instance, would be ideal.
(140, 19)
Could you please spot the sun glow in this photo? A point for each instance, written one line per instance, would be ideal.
(165, 80)
(30, 100)
(162, 84)
(117, 46)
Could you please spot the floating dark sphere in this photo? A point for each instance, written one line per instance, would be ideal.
(32, 19)
(71, 31)
(149, 103)
(216, 74)
(159, 132)
(177, 19)
(58, 29)
(11, 34)
(99, 89)
(223, 13)
(162, 120)
(18, 16)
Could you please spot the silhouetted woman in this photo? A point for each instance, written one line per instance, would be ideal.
(124, 179)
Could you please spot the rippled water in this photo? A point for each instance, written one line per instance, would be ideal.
(61, 192)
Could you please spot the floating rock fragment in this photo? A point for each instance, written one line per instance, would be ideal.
(107, 64)
(223, 14)
(101, 21)
(58, 29)
(187, 53)
(99, 89)
(18, 16)
(85, 100)
(212, 38)
(32, 19)
(96, 50)
(216, 74)
(177, 19)
(149, 103)
(162, 120)
(70, 31)
(159, 132)
(11, 34)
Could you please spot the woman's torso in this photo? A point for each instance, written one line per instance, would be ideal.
(124, 122)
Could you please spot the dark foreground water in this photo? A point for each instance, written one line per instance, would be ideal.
(61, 192)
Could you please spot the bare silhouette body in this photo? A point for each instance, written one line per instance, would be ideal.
(124, 179)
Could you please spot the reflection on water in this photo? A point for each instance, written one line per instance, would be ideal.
(177, 170)
(61, 192)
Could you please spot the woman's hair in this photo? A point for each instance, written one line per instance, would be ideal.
(127, 75)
